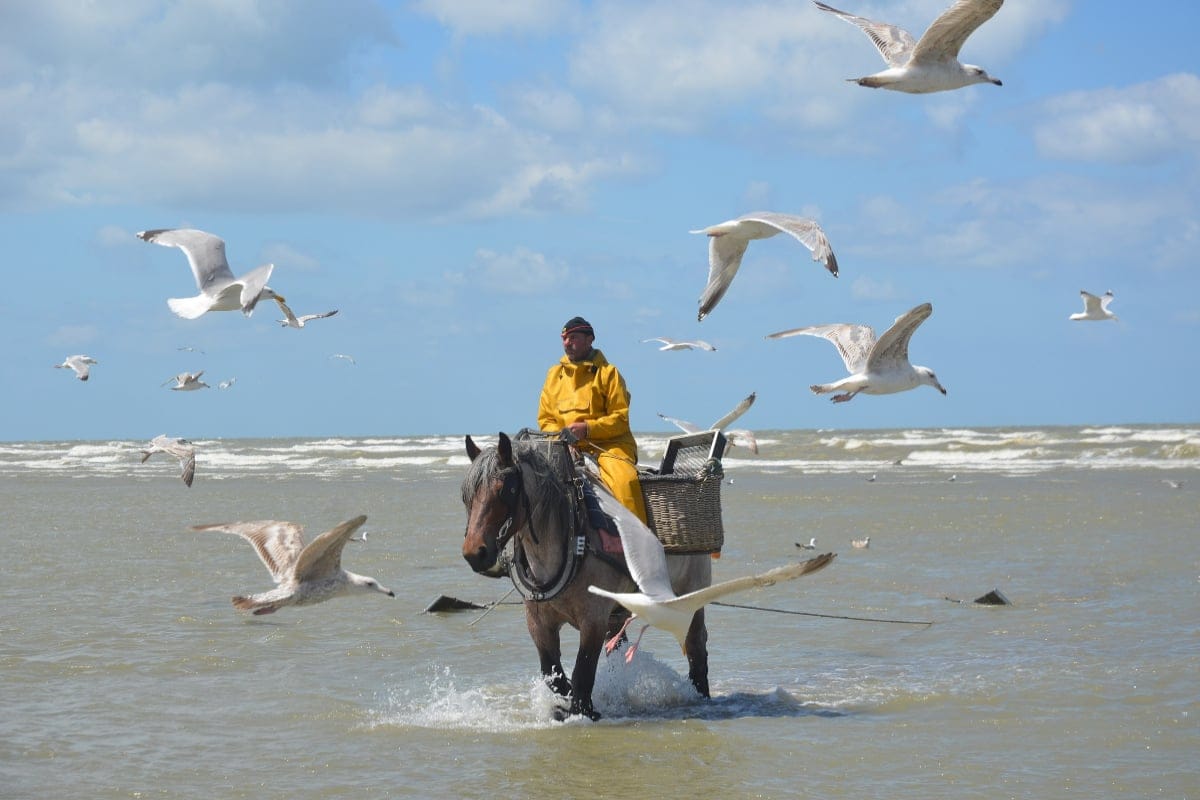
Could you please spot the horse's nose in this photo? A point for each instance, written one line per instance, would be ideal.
(477, 558)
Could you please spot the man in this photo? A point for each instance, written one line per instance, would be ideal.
(586, 395)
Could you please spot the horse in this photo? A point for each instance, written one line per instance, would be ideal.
(520, 491)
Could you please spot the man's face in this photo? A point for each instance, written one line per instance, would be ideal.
(577, 345)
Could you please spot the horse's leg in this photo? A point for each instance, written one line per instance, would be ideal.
(545, 637)
(583, 678)
(696, 648)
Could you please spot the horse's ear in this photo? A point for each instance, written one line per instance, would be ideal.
(473, 450)
(505, 449)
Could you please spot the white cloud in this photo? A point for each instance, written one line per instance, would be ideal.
(520, 271)
(1135, 124)
(495, 17)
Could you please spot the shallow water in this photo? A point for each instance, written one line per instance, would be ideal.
(128, 674)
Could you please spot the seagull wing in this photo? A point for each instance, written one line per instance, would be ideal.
(287, 312)
(738, 410)
(308, 317)
(807, 231)
(740, 437)
(853, 342)
(1105, 301)
(895, 44)
(1091, 303)
(771, 577)
(946, 34)
(277, 543)
(683, 425)
(205, 253)
(253, 282)
(644, 553)
(891, 351)
(725, 253)
(323, 556)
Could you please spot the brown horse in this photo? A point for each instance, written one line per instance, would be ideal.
(525, 491)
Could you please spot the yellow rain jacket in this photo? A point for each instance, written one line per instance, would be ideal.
(594, 392)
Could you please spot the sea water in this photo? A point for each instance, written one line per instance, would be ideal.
(128, 674)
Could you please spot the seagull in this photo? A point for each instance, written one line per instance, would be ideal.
(182, 449)
(293, 321)
(187, 382)
(861, 544)
(872, 478)
(1173, 483)
(656, 603)
(952, 478)
(81, 364)
(728, 241)
(1095, 307)
(931, 64)
(225, 384)
(190, 349)
(219, 290)
(738, 437)
(304, 574)
(675, 344)
(812, 544)
(344, 356)
(876, 367)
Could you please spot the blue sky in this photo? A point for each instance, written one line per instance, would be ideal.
(459, 178)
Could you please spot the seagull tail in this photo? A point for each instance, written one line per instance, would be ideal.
(190, 307)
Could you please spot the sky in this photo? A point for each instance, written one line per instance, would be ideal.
(460, 178)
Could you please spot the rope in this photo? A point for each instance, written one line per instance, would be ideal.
(492, 606)
(823, 616)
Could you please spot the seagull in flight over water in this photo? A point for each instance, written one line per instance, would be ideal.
(187, 382)
(735, 438)
(81, 365)
(181, 449)
(728, 241)
(305, 574)
(675, 344)
(876, 366)
(655, 603)
(219, 289)
(1095, 307)
(292, 321)
(931, 64)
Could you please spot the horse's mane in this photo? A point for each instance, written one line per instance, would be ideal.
(544, 482)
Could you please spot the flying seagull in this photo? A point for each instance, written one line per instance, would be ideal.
(181, 449)
(861, 544)
(1095, 307)
(676, 344)
(656, 602)
(292, 321)
(82, 365)
(225, 384)
(876, 367)
(304, 574)
(187, 382)
(812, 544)
(738, 437)
(219, 290)
(931, 64)
(728, 241)
(344, 357)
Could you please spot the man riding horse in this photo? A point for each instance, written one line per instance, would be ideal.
(586, 395)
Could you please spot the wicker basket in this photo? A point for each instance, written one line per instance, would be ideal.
(685, 509)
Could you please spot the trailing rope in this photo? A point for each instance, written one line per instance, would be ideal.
(823, 616)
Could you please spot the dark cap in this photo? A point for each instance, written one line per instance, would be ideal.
(578, 325)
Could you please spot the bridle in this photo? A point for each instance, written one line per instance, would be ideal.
(513, 495)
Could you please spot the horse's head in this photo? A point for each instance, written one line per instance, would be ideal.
(491, 492)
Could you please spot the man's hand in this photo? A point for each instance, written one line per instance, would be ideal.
(578, 429)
